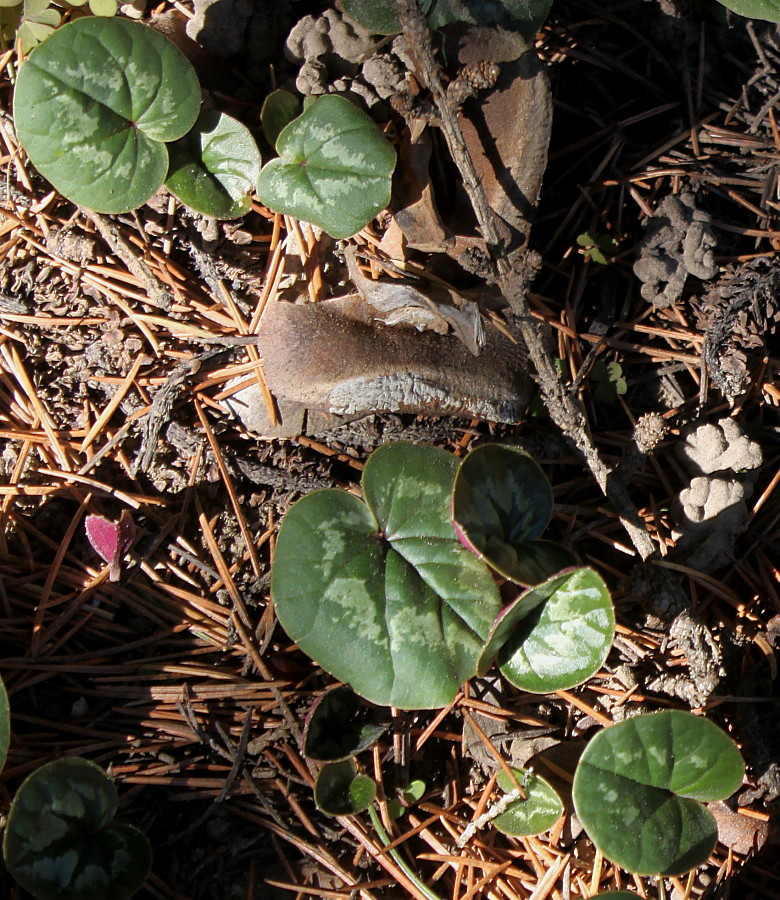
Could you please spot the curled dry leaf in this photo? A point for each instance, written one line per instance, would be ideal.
(507, 132)
(427, 307)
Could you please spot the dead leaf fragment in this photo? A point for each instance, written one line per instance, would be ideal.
(427, 307)
(743, 834)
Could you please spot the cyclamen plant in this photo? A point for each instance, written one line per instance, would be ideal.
(60, 840)
(109, 110)
(396, 595)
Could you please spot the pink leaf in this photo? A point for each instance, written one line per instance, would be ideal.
(111, 540)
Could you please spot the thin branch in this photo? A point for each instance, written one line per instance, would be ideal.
(157, 293)
(561, 405)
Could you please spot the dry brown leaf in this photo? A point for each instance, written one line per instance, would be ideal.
(427, 307)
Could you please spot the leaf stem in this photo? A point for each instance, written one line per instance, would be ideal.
(384, 837)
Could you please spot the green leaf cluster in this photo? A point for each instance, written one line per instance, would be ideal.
(394, 594)
(109, 110)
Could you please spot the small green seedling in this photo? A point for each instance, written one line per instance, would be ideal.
(61, 842)
(768, 10)
(95, 106)
(533, 814)
(28, 21)
(597, 248)
(501, 504)
(213, 169)
(607, 381)
(340, 790)
(98, 7)
(339, 725)
(640, 785)
(334, 168)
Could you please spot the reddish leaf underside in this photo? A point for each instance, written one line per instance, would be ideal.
(111, 540)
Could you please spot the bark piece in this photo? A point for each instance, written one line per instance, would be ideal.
(332, 356)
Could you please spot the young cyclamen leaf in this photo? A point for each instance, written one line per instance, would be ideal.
(214, 167)
(341, 790)
(111, 540)
(61, 841)
(538, 811)
(501, 504)
(640, 785)
(333, 170)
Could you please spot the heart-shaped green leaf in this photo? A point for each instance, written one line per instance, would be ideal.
(564, 634)
(60, 842)
(382, 594)
(279, 109)
(520, 15)
(755, 9)
(638, 787)
(501, 503)
(538, 812)
(339, 726)
(94, 106)
(214, 167)
(341, 791)
(334, 168)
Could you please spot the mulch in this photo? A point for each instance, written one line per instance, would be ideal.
(114, 379)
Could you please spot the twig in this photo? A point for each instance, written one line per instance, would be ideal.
(558, 400)
(157, 293)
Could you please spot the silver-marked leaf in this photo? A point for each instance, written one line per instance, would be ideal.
(538, 812)
(566, 629)
(501, 503)
(60, 842)
(214, 167)
(341, 791)
(94, 106)
(381, 594)
(639, 788)
(334, 168)
(755, 9)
